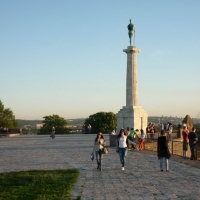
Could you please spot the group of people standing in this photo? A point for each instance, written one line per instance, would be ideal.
(4, 129)
(86, 128)
(126, 138)
(151, 130)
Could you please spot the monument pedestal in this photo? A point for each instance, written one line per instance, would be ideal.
(113, 140)
(133, 117)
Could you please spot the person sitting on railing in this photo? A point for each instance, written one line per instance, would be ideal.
(193, 138)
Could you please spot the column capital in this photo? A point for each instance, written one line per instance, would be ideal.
(131, 49)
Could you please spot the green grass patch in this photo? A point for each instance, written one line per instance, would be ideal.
(38, 185)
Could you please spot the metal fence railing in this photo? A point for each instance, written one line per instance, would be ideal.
(176, 148)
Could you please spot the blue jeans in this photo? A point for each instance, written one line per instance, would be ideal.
(122, 155)
(192, 147)
(166, 160)
(99, 157)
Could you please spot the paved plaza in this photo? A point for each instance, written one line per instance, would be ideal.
(141, 179)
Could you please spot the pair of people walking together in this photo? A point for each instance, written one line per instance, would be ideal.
(99, 145)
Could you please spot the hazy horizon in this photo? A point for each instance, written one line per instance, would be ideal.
(88, 116)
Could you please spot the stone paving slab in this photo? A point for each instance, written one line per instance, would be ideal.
(141, 179)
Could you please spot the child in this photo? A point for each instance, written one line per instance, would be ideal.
(142, 137)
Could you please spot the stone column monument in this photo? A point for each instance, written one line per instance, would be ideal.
(132, 115)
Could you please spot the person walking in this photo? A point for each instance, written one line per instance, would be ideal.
(142, 137)
(193, 138)
(99, 144)
(185, 141)
(163, 151)
(53, 130)
(122, 147)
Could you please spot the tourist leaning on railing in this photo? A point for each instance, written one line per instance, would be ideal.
(185, 141)
(193, 138)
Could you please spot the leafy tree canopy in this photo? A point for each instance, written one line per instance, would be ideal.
(7, 119)
(103, 122)
(58, 122)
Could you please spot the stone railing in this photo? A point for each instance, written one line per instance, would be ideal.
(176, 148)
(175, 145)
(11, 132)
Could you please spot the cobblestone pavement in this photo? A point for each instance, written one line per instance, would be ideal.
(141, 179)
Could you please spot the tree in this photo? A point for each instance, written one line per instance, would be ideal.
(7, 119)
(102, 122)
(58, 122)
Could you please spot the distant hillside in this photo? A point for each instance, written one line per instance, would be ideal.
(32, 123)
(75, 121)
(80, 121)
(23, 122)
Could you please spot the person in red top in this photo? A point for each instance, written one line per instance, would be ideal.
(185, 141)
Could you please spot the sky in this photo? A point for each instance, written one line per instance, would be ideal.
(66, 57)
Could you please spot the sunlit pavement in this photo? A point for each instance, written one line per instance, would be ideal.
(141, 178)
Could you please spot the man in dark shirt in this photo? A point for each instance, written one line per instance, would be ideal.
(192, 142)
(163, 151)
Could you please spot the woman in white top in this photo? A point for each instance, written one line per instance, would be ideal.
(122, 144)
(99, 143)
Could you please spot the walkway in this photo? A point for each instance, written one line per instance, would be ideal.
(141, 179)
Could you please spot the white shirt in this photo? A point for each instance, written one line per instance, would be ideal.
(113, 132)
(122, 142)
(143, 135)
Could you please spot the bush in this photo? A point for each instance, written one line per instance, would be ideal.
(103, 122)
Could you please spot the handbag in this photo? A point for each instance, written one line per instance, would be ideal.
(92, 156)
(105, 150)
(117, 149)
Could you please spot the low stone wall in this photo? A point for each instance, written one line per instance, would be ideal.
(15, 130)
(13, 134)
(113, 140)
